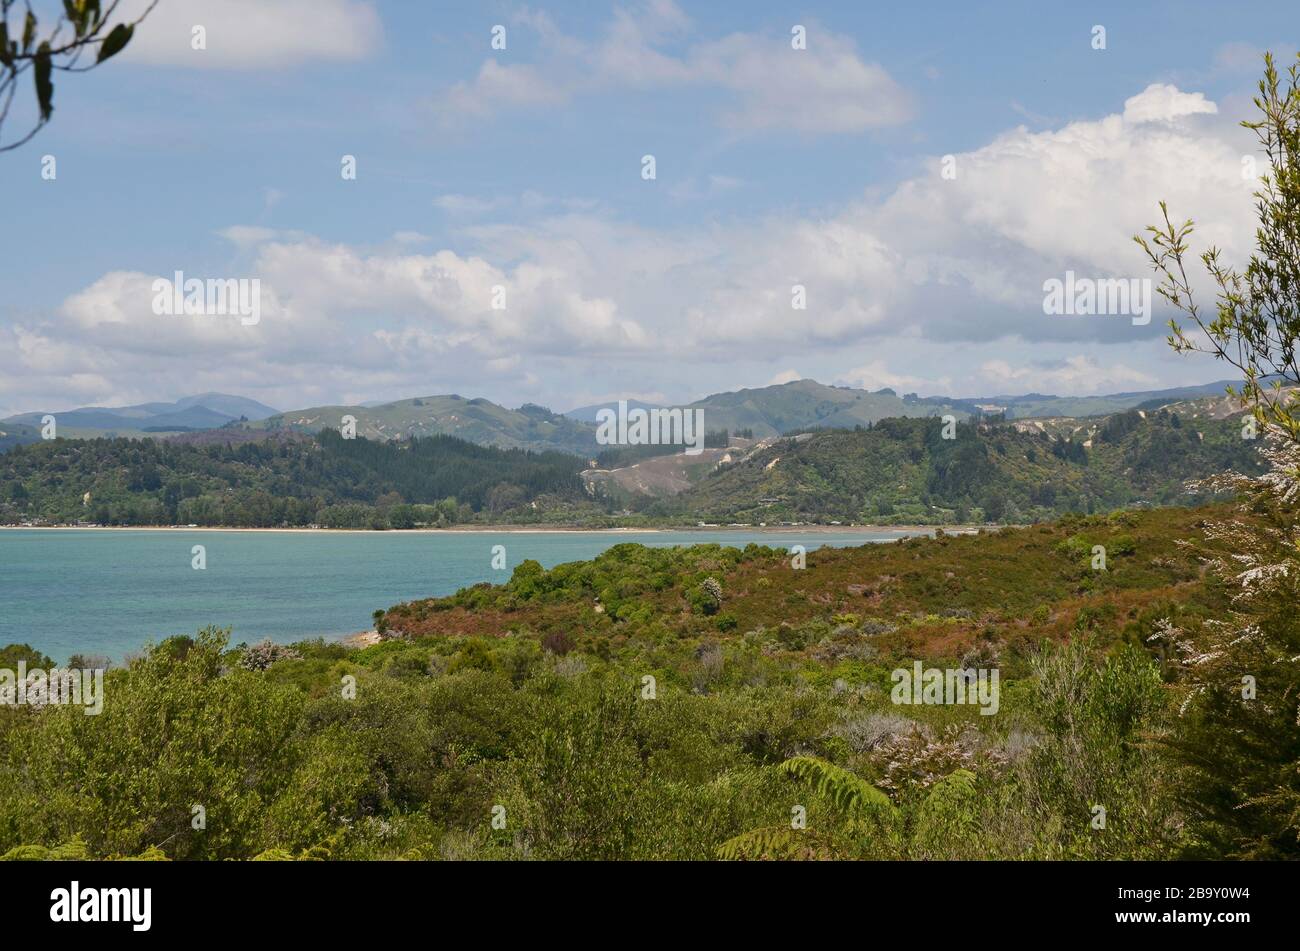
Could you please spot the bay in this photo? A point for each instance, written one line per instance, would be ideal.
(111, 592)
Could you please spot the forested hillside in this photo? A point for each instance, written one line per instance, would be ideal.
(292, 480)
(898, 471)
(17, 434)
(903, 470)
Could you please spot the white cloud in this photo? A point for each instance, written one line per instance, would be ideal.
(1077, 375)
(253, 34)
(1030, 205)
(826, 88)
(785, 376)
(878, 375)
(497, 86)
(1161, 102)
(340, 305)
(745, 289)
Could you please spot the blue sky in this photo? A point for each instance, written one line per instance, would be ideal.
(521, 168)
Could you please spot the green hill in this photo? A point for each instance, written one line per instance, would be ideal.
(805, 404)
(478, 421)
(17, 434)
(289, 479)
(1039, 404)
(902, 470)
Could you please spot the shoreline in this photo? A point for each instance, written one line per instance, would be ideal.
(526, 529)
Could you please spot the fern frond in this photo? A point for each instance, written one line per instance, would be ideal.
(26, 853)
(273, 855)
(151, 854)
(74, 850)
(773, 842)
(847, 791)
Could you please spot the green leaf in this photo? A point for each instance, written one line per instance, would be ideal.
(44, 87)
(772, 842)
(90, 15)
(113, 44)
(847, 791)
(29, 31)
(6, 57)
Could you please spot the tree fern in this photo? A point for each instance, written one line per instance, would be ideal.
(947, 812)
(26, 853)
(273, 855)
(74, 850)
(775, 842)
(846, 791)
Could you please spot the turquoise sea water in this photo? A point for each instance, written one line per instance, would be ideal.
(111, 592)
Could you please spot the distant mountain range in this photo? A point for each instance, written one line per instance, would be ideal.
(806, 404)
(782, 408)
(587, 414)
(765, 412)
(1037, 404)
(205, 411)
